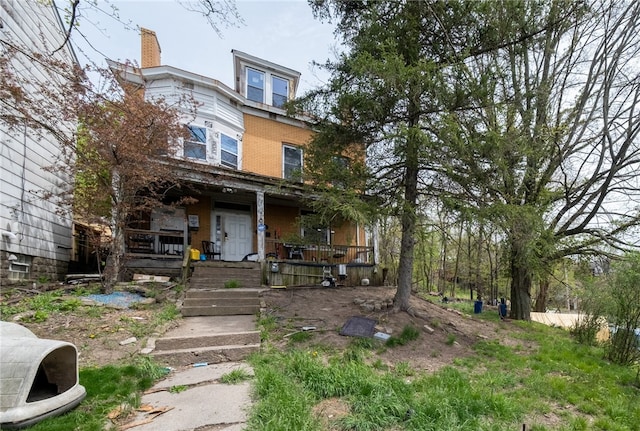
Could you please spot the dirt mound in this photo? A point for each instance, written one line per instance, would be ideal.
(446, 334)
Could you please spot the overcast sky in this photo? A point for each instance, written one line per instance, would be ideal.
(281, 31)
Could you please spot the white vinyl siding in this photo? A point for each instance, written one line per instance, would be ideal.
(41, 229)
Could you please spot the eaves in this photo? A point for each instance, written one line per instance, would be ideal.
(209, 175)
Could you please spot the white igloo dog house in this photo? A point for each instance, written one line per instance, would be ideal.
(38, 377)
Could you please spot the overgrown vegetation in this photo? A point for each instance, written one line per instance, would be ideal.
(613, 300)
(548, 382)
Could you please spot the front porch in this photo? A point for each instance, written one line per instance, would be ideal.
(236, 216)
(167, 253)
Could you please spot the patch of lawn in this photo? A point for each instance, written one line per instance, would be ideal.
(409, 333)
(107, 388)
(499, 388)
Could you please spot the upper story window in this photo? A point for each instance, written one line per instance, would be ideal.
(280, 91)
(291, 163)
(255, 85)
(196, 146)
(264, 87)
(228, 151)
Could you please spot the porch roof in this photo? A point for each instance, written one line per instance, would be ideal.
(218, 177)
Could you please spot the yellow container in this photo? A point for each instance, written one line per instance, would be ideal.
(195, 254)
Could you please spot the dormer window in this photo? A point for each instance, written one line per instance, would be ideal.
(264, 87)
(261, 81)
(255, 85)
(280, 91)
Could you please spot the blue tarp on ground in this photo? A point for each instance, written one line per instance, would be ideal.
(116, 299)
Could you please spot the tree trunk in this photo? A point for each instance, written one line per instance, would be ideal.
(520, 282)
(478, 278)
(469, 271)
(456, 270)
(443, 264)
(430, 280)
(115, 264)
(541, 300)
(493, 294)
(407, 243)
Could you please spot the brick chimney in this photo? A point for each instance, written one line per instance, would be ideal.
(150, 49)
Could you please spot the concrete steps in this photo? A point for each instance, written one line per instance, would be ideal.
(223, 339)
(221, 302)
(208, 296)
(208, 355)
(218, 275)
(208, 339)
(218, 322)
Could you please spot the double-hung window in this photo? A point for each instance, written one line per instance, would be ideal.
(195, 147)
(255, 85)
(264, 87)
(291, 163)
(228, 151)
(280, 91)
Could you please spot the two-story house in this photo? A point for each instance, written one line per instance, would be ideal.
(35, 236)
(243, 164)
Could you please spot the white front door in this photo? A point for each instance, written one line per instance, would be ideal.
(233, 230)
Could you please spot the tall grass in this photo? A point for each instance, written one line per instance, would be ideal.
(498, 388)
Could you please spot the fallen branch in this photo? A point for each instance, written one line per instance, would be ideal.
(157, 412)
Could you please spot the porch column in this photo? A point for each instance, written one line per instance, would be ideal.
(261, 225)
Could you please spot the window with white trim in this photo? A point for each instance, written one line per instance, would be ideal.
(195, 147)
(292, 163)
(280, 91)
(228, 151)
(255, 85)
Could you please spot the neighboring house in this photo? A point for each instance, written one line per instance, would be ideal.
(242, 160)
(35, 240)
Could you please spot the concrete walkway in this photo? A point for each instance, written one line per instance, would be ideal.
(194, 399)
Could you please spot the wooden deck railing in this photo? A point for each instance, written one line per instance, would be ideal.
(330, 253)
(148, 242)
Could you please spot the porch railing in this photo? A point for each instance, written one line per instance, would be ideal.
(330, 253)
(148, 242)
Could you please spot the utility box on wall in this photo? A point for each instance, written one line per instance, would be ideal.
(194, 222)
